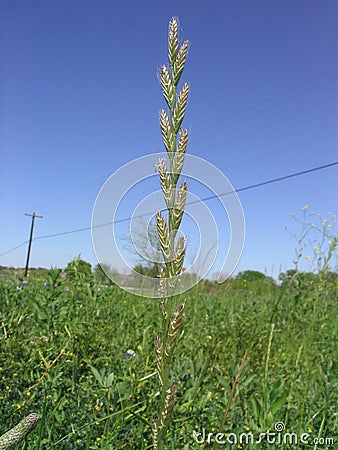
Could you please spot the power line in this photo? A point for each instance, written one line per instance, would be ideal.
(273, 180)
(240, 116)
(14, 248)
(211, 197)
(275, 120)
(261, 105)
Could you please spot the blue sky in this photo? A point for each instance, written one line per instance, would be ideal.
(80, 98)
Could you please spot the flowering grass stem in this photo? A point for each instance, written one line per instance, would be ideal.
(175, 140)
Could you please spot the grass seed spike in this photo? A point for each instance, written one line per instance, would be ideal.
(175, 140)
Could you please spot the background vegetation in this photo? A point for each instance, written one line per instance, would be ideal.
(79, 351)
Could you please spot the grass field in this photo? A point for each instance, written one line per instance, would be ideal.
(64, 355)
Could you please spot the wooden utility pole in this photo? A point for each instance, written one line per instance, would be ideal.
(30, 239)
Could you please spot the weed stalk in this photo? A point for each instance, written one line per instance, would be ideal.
(175, 141)
(266, 372)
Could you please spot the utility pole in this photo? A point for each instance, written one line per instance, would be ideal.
(30, 239)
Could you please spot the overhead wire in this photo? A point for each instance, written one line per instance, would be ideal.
(276, 100)
(266, 104)
(211, 197)
(14, 248)
(263, 105)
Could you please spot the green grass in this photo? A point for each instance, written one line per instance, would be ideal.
(63, 356)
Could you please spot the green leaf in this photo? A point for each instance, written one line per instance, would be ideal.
(277, 404)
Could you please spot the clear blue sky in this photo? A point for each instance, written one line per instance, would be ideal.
(80, 98)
